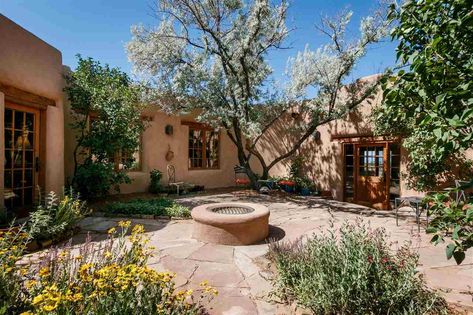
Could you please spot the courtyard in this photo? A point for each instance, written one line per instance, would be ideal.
(242, 274)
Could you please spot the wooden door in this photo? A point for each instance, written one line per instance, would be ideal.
(21, 132)
(371, 175)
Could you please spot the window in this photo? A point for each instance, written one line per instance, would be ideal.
(204, 146)
(394, 169)
(349, 169)
(129, 160)
(371, 161)
(122, 160)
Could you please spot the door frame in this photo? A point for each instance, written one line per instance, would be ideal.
(386, 167)
(40, 139)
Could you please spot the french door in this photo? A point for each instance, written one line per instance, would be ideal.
(371, 175)
(21, 132)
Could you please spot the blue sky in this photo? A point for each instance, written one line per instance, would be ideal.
(101, 28)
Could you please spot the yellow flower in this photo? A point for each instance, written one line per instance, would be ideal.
(84, 268)
(44, 272)
(78, 257)
(112, 230)
(204, 283)
(27, 313)
(124, 224)
(138, 229)
(108, 255)
(50, 307)
(30, 284)
(38, 299)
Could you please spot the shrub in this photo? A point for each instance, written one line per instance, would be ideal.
(454, 218)
(106, 278)
(94, 179)
(54, 217)
(159, 206)
(155, 178)
(355, 273)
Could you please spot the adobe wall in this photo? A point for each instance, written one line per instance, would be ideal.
(32, 65)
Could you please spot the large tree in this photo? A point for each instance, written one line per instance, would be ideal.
(430, 100)
(106, 119)
(212, 56)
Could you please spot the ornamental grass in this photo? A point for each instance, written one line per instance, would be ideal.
(109, 277)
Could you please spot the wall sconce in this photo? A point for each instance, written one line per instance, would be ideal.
(168, 130)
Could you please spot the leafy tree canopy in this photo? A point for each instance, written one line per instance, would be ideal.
(430, 100)
(106, 117)
(213, 56)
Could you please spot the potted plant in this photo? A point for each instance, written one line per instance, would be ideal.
(155, 178)
(303, 186)
(287, 185)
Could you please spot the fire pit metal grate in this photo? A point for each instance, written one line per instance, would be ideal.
(232, 210)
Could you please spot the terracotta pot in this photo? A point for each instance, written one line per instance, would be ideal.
(32, 246)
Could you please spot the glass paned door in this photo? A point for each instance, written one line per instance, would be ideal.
(21, 134)
(371, 183)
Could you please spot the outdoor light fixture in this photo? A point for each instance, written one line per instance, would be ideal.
(168, 130)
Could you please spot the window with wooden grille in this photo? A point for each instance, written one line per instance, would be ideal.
(204, 147)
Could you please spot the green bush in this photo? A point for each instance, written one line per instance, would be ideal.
(94, 179)
(355, 273)
(159, 206)
(155, 178)
(53, 217)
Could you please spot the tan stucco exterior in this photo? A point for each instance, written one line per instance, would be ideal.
(31, 65)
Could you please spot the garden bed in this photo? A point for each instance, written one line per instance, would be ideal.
(157, 208)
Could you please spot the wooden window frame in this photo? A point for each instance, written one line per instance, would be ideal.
(204, 129)
(118, 155)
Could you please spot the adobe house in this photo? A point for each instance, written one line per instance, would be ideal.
(31, 116)
(343, 158)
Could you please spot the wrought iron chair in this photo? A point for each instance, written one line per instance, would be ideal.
(172, 178)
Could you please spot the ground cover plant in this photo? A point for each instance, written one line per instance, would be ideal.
(157, 206)
(106, 278)
(353, 273)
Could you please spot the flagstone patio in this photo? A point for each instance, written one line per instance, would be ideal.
(240, 272)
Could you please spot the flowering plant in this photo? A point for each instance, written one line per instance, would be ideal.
(108, 278)
(352, 271)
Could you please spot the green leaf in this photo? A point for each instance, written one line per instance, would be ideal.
(455, 232)
(450, 250)
(438, 133)
(459, 256)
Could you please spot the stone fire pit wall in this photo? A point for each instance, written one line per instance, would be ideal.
(230, 223)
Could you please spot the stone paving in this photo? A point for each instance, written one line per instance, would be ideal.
(239, 272)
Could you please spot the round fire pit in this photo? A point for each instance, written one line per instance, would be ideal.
(230, 223)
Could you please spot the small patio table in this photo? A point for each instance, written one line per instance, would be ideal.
(416, 204)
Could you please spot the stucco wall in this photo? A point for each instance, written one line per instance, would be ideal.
(324, 160)
(154, 146)
(32, 65)
(323, 157)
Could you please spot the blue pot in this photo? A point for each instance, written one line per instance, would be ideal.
(305, 192)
